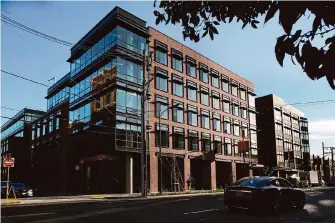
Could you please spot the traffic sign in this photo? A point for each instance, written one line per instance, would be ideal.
(8, 162)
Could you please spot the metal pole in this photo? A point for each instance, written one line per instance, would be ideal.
(160, 152)
(332, 154)
(7, 191)
(143, 141)
(323, 162)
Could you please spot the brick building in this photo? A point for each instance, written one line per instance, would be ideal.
(204, 110)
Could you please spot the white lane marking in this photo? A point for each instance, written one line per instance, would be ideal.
(195, 212)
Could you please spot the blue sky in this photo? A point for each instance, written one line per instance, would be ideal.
(248, 52)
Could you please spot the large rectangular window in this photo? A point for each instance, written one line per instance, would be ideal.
(226, 105)
(206, 142)
(251, 100)
(235, 109)
(162, 104)
(161, 53)
(226, 126)
(191, 91)
(205, 119)
(216, 122)
(191, 66)
(177, 85)
(253, 136)
(215, 100)
(215, 78)
(217, 143)
(287, 131)
(244, 112)
(161, 80)
(128, 102)
(192, 115)
(242, 94)
(204, 96)
(225, 83)
(178, 138)
(244, 130)
(203, 75)
(177, 60)
(178, 111)
(236, 129)
(162, 135)
(193, 141)
(252, 118)
(227, 147)
(234, 90)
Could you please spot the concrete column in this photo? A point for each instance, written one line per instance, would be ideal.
(213, 175)
(251, 173)
(129, 173)
(233, 171)
(187, 172)
(153, 172)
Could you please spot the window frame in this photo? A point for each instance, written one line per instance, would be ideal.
(177, 80)
(163, 47)
(161, 74)
(177, 55)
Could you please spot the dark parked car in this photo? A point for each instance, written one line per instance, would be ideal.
(20, 189)
(263, 193)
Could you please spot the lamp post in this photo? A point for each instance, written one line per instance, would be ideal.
(160, 113)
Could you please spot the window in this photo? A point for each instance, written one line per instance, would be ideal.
(206, 142)
(215, 78)
(242, 94)
(161, 80)
(235, 109)
(295, 121)
(178, 111)
(226, 126)
(162, 105)
(191, 67)
(177, 60)
(224, 83)
(192, 115)
(191, 91)
(244, 112)
(51, 126)
(204, 75)
(204, 96)
(161, 53)
(226, 104)
(227, 147)
(236, 129)
(253, 136)
(177, 85)
(38, 133)
(234, 90)
(162, 135)
(205, 119)
(251, 100)
(278, 115)
(108, 98)
(236, 152)
(252, 118)
(288, 146)
(215, 100)
(178, 138)
(286, 117)
(32, 135)
(216, 122)
(217, 143)
(279, 142)
(287, 131)
(279, 127)
(193, 140)
(245, 131)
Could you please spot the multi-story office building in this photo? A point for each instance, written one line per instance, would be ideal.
(283, 136)
(15, 140)
(89, 141)
(204, 110)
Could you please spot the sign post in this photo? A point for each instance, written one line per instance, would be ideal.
(8, 162)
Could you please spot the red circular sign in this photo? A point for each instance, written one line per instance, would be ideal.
(8, 162)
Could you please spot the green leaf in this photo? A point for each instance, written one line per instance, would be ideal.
(280, 53)
(204, 34)
(157, 20)
(253, 25)
(156, 13)
(231, 19)
(211, 34)
(215, 30)
(296, 35)
(216, 23)
(245, 23)
(271, 12)
(255, 21)
(316, 24)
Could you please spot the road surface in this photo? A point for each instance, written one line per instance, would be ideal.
(320, 205)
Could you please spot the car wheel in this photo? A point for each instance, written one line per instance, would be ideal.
(301, 202)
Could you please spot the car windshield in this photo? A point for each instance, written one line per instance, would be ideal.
(255, 182)
(18, 185)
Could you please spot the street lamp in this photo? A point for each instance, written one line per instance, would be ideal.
(245, 147)
(160, 113)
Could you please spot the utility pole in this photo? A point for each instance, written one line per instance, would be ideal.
(323, 160)
(332, 155)
(143, 127)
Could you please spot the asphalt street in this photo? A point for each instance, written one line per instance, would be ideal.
(210, 208)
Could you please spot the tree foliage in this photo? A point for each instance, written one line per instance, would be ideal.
(200, 19)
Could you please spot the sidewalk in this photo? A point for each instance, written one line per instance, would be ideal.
(92, 198)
